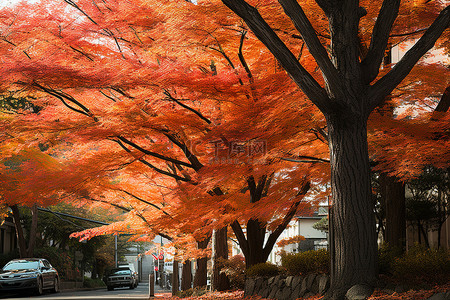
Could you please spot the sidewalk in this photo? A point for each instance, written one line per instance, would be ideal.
(159, 292)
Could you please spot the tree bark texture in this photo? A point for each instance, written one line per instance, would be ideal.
(347, 99)
(393, 193)
(33, 231)
(220, 280)
(252, 246)
(186, 276)
(201, 272)
(19, 232)
(175, 278)
(353, 218)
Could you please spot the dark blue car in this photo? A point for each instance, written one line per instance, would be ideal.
(35, 274)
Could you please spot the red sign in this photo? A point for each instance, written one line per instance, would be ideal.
(160, 256)
(156, 268)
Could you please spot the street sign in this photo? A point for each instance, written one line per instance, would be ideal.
(160, 256)
(156, 268)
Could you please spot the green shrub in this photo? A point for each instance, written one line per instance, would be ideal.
(92, 283)
(313, 261)
(5, 258)
(386, 257)
(262, 269)
(58, 258)
(421, 265)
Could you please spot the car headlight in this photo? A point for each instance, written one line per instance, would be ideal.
(28, 276)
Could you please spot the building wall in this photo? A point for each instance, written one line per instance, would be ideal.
(8, 239)
(299, 226)
(306, 229)
(412, 236)
(143, 264)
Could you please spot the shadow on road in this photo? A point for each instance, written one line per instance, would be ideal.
(141, 292)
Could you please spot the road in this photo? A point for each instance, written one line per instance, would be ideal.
(141, 293)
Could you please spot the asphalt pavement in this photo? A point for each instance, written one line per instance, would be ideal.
(141, 293)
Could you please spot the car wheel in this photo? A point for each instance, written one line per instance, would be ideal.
(110, 288)
(132, 286)
(39, 288)
(56, 286)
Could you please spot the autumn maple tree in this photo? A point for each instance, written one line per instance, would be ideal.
(114, 138)
(157, 104)
(351, 92)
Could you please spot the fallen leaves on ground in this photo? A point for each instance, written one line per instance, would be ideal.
(377, 295)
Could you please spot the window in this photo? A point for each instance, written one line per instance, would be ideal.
(46, 263)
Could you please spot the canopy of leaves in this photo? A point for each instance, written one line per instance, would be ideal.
(148, 106)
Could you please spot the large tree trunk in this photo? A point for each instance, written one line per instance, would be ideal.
(186, 276)
(33, 231)
(256, 232)
(175, 278)
(253, 246)
(353, 220)
(393, 192)
(19, 232)
(424, 233)
(201, 273)
(220, 280)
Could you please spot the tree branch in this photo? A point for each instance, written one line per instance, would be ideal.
(82, 53)
(380, 36)
(242, 58)
(444, 103)
(154, 154)
(239, 233)
(109, 97)
(306, 159)
(152, 166)
(150, 226)
(63, 97)
(177, 101)
(385, 85)
(110, 203)
(260, 188)
(295, 12)
(195, 163)
(146, 202)
(252, 187)
(70, 2)
(272, 239)
(299, 74)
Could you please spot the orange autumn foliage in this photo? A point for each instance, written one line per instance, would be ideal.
(291, 240)
(148, 105)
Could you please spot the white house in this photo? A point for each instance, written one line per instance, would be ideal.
(299, 225)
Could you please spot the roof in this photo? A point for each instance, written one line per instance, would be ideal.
(310, 215)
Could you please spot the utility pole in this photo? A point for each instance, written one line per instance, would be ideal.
(116, 259)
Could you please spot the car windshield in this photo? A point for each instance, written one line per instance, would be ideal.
(21, 265)
(120, 272)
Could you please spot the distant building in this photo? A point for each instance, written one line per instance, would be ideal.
(8, 238)
(300, 225)
(303, 225)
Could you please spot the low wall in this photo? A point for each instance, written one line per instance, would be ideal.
(70, 285)
(287, 288)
